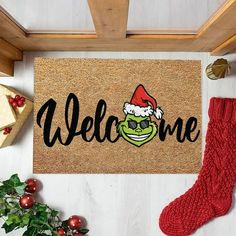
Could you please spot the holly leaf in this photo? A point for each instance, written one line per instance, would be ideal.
(20, 189)
(13, 181)
(54, 213)
(13, 185)
(83, 230)
(2, 205)
(2, 191)
(13, 219)
(65, 224)
(2, 211)
(31, 231)
(25, 220)
(8, 228)
(39, 207)
(43, 216)
(41, 221)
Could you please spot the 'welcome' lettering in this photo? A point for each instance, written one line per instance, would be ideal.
(72, 112)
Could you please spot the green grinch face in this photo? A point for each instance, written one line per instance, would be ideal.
(137, 130)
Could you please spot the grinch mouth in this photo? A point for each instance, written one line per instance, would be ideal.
(138, 138)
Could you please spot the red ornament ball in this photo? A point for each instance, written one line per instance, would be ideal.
(27, 201)
(31, 185)
(61, 232)
(75, 222)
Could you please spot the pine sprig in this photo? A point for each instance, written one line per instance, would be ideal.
(38, 220)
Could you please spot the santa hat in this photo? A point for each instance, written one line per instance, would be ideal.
(143, 104)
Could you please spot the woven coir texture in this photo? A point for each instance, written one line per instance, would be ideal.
(175, 84)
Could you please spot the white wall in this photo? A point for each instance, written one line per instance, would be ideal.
(114, 205)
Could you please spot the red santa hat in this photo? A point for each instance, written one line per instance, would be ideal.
(143, 104)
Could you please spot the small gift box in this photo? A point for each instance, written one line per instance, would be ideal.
(14, 110)
(7, 114)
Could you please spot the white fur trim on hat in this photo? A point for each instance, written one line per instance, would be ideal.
(142, 111)
(137, 110)
(158, 113)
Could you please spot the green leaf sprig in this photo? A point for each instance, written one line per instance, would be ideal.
(38, 220)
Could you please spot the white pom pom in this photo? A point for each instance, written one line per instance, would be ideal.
(158, 113)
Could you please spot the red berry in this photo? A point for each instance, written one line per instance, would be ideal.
(7, 130)
(20, 103)
(22, 99)
(11, 100)
(14, 103)
(31, 185)
(17, 97)
(61, 232)
(75, 222)
(27, 201)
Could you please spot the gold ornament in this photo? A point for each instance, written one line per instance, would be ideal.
(218, 69)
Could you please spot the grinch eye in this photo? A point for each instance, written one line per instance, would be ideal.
(144, 124)
(132, 124)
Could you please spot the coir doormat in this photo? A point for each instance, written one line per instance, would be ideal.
(117, 116)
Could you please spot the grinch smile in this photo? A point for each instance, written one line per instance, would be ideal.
(138, 128)
(138, 138)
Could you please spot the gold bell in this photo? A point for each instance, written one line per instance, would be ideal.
(218, 69)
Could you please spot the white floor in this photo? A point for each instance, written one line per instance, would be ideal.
(114, 205)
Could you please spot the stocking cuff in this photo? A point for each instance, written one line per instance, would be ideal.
(222, 109)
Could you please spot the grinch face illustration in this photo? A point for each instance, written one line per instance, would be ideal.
(137, 128)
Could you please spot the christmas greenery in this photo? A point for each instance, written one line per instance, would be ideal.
(18, 209)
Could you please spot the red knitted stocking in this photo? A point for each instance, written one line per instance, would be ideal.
(211, 195)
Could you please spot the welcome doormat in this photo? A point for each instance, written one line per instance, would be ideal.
(117, 116)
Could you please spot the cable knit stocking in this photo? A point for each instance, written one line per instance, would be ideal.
(211, 195)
